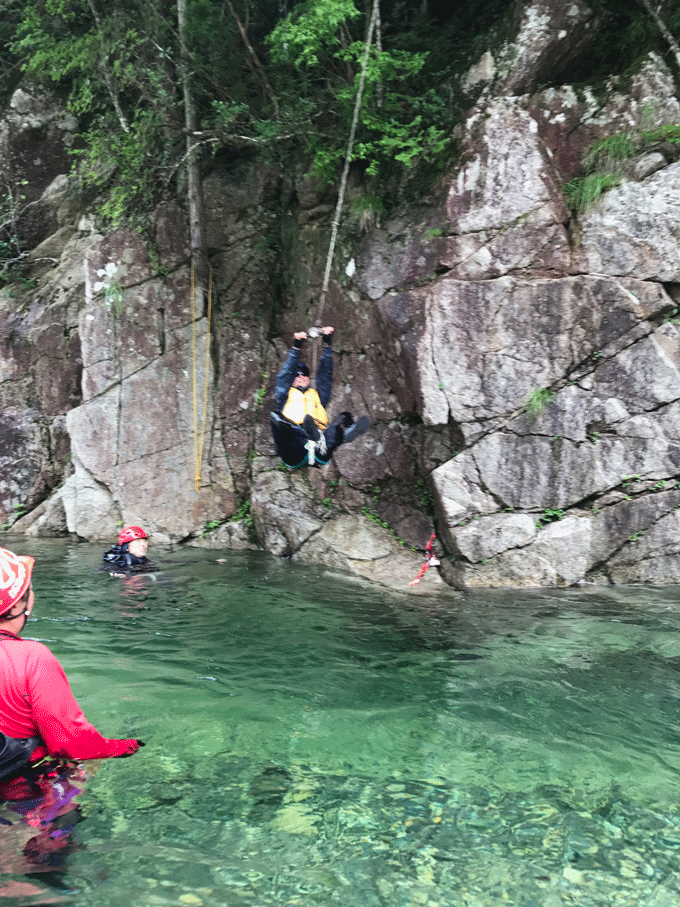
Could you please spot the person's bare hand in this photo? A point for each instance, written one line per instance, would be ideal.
(300, 335)
(328, 330)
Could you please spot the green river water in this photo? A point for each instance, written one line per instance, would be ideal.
(315, 741)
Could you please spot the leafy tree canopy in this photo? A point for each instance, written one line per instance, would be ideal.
(277, 77)
(263, 79)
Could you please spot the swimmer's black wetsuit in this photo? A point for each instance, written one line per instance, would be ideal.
(119, 558)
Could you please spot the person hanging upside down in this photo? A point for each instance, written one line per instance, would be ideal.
(300, 416)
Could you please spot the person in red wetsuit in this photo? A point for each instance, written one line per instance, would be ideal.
(43, 733)
(35, 697)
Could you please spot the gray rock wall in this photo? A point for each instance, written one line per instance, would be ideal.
(520, 365)
(548, 348)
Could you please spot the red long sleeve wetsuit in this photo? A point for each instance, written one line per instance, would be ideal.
(36, 700)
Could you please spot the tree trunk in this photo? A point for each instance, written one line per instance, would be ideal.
(197, 239)
(672, 43)
(254, 60)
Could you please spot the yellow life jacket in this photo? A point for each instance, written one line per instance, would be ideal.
(299, 404)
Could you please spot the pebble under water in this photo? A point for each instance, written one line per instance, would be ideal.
(314, 741)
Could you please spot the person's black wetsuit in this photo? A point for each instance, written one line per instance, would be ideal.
(118, 559)
(291, 439)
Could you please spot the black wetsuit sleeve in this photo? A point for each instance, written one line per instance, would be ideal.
(285, 378)
(114, 556)
(324, 376)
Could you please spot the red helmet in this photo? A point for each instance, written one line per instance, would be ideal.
(15, 577)
(130, 533)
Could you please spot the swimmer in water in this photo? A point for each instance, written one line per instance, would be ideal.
(129, 555)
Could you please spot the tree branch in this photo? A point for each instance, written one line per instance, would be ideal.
(108, 78)
(255, 63)
(672, 43)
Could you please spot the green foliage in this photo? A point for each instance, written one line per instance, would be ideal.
(365, 212)
(114, 298)
(317, 51)
(19, 511)
(537, 401)
(425, 494)
(602, 163)
(105, 59)
(627, 480)
(605, 161)
(210, 526)
(549, 516)
(312, 33)
(608, 153)
(117, 66)
(668, 132)
(61, 42)
(229, 117)
(131, 167)
(373, 517)
(261, 392)
(328, 500)
(584, 191)
(244, 514)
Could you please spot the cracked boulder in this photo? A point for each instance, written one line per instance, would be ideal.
(133, 448)
(602, 458)
(555, 366)
(651, 556)
(473, 351)
(291, 520)
(633, 231)
(286, 510)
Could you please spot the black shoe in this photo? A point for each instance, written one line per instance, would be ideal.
(311, 429)
(362, 424)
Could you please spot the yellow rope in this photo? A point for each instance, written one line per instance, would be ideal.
(198, 444)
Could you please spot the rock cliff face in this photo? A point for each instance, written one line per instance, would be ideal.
(520, 365)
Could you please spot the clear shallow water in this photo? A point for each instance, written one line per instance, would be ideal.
(312, 741)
